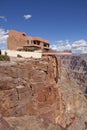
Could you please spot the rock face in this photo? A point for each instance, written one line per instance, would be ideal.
(74, 81)
(28, 87)
(4, 125)
(40, 92)
(76, 67)
(33, 123)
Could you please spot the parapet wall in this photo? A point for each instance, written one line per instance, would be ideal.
(24, 54)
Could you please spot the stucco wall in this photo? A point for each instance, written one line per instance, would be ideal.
(22, 53)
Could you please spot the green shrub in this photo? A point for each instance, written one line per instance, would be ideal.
(4, 57)
(5, 53)
(19, 56)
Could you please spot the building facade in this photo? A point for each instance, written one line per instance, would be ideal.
(20, 41)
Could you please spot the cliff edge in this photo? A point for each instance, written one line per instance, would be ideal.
(38, 92)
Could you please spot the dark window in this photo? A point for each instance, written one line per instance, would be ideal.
(34, 42)
(38, 42)
(45, 45)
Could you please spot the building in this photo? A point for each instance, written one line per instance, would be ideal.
(20, 41)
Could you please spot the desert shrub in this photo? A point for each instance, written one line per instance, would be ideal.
(19, 56)
(4, 57)
(5, 53)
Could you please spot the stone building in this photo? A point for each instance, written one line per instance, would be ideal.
(20, 41)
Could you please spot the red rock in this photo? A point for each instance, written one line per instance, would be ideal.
(4, 125)
(43, 89)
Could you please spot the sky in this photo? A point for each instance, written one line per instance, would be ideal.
(62, 22)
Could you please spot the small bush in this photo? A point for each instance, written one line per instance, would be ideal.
(19, 56)
(4, 57)
(5, 53)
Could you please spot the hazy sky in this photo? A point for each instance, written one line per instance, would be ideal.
(54, 20)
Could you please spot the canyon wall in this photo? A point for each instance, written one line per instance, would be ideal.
(76, 69)
(28, 87)
(73, 86)
(43, 94)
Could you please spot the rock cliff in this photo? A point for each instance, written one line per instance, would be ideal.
(74, 81)
(28, 87)
(4, 125)
(76, 69)
(39, 93)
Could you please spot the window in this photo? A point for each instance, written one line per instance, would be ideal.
(38, 42)
(27, 41)
(45, 45)
(34, 42)
(31, 41)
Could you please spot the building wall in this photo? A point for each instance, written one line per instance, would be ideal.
(20, 39)
(15, 40)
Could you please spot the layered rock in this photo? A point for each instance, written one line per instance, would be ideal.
(4, 125)
(33, 123)
(74, 80)
(29, 87)
(41, 92)
(76, 68)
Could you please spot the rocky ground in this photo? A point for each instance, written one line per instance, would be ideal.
(43, 94)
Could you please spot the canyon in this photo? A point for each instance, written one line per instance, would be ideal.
(44, 94)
